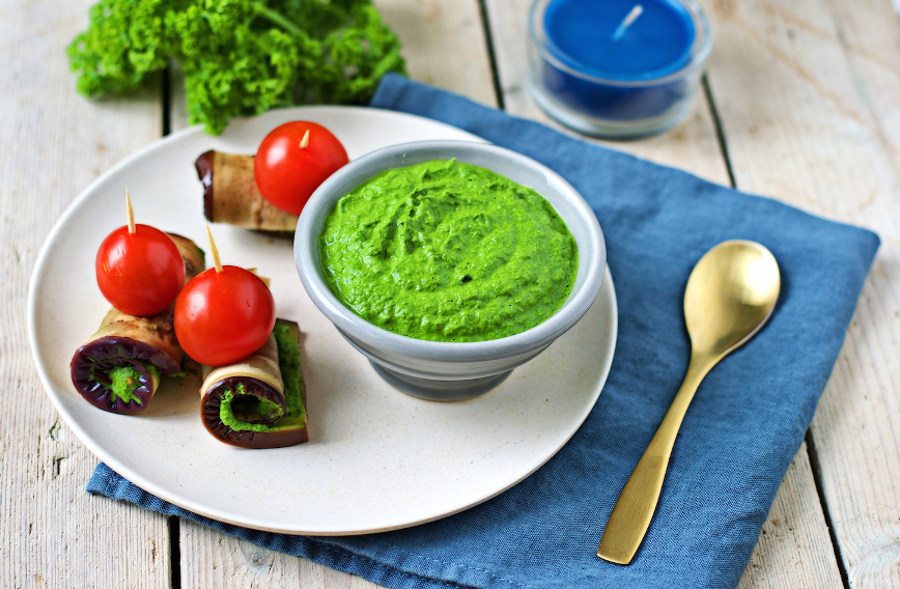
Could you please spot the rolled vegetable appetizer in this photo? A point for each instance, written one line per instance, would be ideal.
(260, 401)
(230, 194)
(119, 368)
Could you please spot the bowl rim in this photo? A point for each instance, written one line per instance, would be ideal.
(306, 260)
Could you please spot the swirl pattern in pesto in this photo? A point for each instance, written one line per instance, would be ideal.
(448, 251)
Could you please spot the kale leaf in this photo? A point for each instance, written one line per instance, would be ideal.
(239, 57)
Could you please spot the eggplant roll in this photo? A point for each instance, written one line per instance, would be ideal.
(230, 194)
(119, 368)
(259, 402)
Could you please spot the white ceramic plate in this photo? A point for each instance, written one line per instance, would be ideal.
(377, 459)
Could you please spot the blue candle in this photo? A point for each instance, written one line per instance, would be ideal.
(617, 67)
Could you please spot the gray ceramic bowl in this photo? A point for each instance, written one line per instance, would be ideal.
(451, 370)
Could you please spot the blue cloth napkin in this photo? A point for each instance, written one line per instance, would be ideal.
(738, 438)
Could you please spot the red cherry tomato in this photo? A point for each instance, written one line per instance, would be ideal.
(223, 317)
(139, 273)
(290, 165)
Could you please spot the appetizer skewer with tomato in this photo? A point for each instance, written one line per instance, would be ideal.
(252, 394)
(166, 308)
(267, 192)
(259, 401)
(140, 271)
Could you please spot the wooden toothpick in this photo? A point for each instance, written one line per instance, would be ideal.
(266, 280)
(213, 249)
(304, 143)
(129, 213)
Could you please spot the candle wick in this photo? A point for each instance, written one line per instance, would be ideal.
(628, 21)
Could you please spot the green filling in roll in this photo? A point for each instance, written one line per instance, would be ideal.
(125, 380)
(244, 413)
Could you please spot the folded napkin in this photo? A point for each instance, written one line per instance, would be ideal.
(740, 434)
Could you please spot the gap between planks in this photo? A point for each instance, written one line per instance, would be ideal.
(173, 523)
(810, 447)
(826, 139)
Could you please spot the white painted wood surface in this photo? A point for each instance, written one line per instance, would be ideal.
(812, 116)
(794, 549)
(809, 99)
(53, 144)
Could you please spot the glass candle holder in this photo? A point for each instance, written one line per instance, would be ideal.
(618, 69)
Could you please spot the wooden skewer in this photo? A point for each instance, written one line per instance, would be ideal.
(129, 213)
(213, 249)
(304, 143)
(266, 280)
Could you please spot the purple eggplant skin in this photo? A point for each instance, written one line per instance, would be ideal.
(138, 342)
(204, 167)
(280, 436)
(101, 355)
(212, 401)
(230, 195)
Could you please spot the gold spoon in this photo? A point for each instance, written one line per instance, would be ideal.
(728, 298)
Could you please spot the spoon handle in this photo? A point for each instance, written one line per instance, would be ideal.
(634, 509)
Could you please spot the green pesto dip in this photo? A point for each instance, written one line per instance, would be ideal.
(448, 251)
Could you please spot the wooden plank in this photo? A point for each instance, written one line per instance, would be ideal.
(54, 143)
(783, 557)
(791, 557)
(211, 559)
(444, 45)
(825, 137)
(864, 505)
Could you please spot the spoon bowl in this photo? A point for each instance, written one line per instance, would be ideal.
(729, 296)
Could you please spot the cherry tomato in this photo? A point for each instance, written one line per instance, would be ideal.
(139, 273)
(223, 317)
(290, 164)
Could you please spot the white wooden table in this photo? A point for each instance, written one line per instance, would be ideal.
(802, 102)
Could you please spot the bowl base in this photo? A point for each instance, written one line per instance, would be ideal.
(615, 130)
(439, 390)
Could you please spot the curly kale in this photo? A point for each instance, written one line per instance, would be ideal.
(124, 43)
(239, 57)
